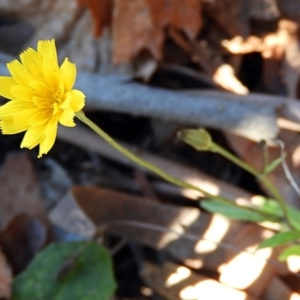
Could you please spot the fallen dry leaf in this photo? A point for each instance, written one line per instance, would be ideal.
(229, 15)
(134, 30)
(196, 239)
(185, 232)
(80, 47)
(51, 18)
(278, 290)
(21, 239)
(139, 25)
(5, 278)
(19, 189)
(101, 11)
(175, 282)
(248, 272)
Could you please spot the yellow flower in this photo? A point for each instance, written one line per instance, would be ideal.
(41, 96)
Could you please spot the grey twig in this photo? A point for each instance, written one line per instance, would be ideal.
(254, 119)
(286, 169)
(253, 116)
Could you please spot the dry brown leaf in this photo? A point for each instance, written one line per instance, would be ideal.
(181, 14)
(139, 25)
(278, 290)
(175, 282)
(185, 232)
(188, 235)
(134, 30)
(51, 18)
(229, 15)
(80, 47)
(101, 11)
(6, 278)
(248, 272)
(64, 21)
(19, 189)
(21, 239)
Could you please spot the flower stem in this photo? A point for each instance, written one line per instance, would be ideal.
(265, 181)
(81, 116)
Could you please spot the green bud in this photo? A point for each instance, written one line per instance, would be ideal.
(200, 139)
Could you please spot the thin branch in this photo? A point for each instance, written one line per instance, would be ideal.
(252, 117)
(286, 169)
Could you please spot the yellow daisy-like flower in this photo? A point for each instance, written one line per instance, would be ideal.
(41, 96)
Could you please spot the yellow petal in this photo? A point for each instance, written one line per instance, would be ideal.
(42, 102)
(51, 72)
(47, 49)
(33, 62)
(41, 88)
(24, 115)
(11, 108)
(39, 118)
(68, 73)
(22, 92)
(66, 118)
(51, 125)
(66, 102)
(60, 90)
(33, 136)
(5, 85)
(77, 101)
(8, 126)
(48, 142)
(18, 72)
(50, 65)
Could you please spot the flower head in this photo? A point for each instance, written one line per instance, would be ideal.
(41, 96)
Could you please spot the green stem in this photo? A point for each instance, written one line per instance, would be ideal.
(265, 181)
(218, 149)
(81, 116)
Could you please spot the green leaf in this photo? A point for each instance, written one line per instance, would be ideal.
(268, 206)
(89, 276)
(280, 239)
(232, 211)
(292, 250)
(273, 207)
(294, 216)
